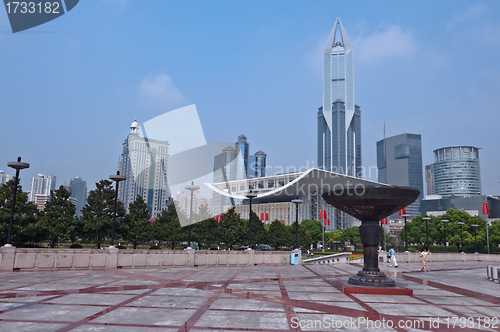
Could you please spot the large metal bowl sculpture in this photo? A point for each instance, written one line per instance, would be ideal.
(370, 204)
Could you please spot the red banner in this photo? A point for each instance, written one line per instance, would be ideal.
(324, 214)
(261, 216)
(484, 208)
(267, 216)
(328, 222)
(321, 214)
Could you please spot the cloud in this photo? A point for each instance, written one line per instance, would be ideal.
(385, 43)
(464, 17)
(160, 90)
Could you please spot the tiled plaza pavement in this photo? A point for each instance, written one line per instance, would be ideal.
(260, 298)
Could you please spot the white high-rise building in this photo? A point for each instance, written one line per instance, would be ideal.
(4, 178)
(144, 162)
(184, 202)
(42, 185)
(339, 119)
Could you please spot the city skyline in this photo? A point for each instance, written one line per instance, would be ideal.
(411, 74)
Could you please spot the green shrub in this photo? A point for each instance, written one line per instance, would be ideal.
(155, 248)
(76, 246)
(121, 247)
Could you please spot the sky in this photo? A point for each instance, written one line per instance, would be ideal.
(69, 89)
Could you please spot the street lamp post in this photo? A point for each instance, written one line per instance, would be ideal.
(406, 232)
(475, 234)
(117, 178)
(298, 201)
(192, 188)
(445, 238)
(461, 236)
(250, 196)
(17, 165)
(427, 230)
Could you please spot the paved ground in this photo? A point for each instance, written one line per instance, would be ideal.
(263, 298)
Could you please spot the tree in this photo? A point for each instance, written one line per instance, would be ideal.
(232, 228)
(98, 213)
(279, 235)
(333, 236)
(58, 218)
(259, 233)
(137, 222)
(314, 228)
(168, 228)
(351, 234)
(25, 226)
(305, 240)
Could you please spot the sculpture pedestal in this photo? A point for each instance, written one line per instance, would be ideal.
(371, 205)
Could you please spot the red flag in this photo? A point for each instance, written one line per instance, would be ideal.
(328, 222)
(400, 212)
(267, 216)
(404, 210)
(262, 216)
(484, 208)
(152, 219)
(321, 214)
(488, 208)
(324, 214)
(325, 222)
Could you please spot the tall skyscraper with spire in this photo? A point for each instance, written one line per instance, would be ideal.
(339, 119)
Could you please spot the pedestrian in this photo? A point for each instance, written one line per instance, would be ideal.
(423, 255)
(392, 252)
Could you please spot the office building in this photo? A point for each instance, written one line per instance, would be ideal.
(41, 185)
(144, 162)
(429, 179)
(436, 205)
(79, 191)
(457, 172)
(4, 178)
(184, 202)
(235, 163)
(276, 192)
(339, 118)
(399, 163)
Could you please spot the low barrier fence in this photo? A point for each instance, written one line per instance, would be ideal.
(12, 258)
(409, 257)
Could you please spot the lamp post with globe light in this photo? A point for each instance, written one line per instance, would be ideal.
(298, 201)
(192, 188)
(17, 165)
(427, 230)
(444, 221)
(406, 232)
(117, 178)
(461, 236)
(250, 196)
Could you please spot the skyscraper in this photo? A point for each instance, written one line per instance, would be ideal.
(429, 179)
(42, 185)
(235, 163)
(144, 163)
(4, 178)
(339, 119)
(399, 162)
(79, 191)
(456, 171)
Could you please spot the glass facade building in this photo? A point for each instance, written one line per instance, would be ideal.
(144, 162)
(79, 191)
(456, 171)
(339, 119)
(235, 163)
(399, 163)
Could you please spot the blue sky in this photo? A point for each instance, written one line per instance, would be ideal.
(69, 89)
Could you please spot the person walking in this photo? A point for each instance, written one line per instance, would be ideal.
(423, 255)
(392, 252)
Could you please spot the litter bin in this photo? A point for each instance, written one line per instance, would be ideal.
(294, 259)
